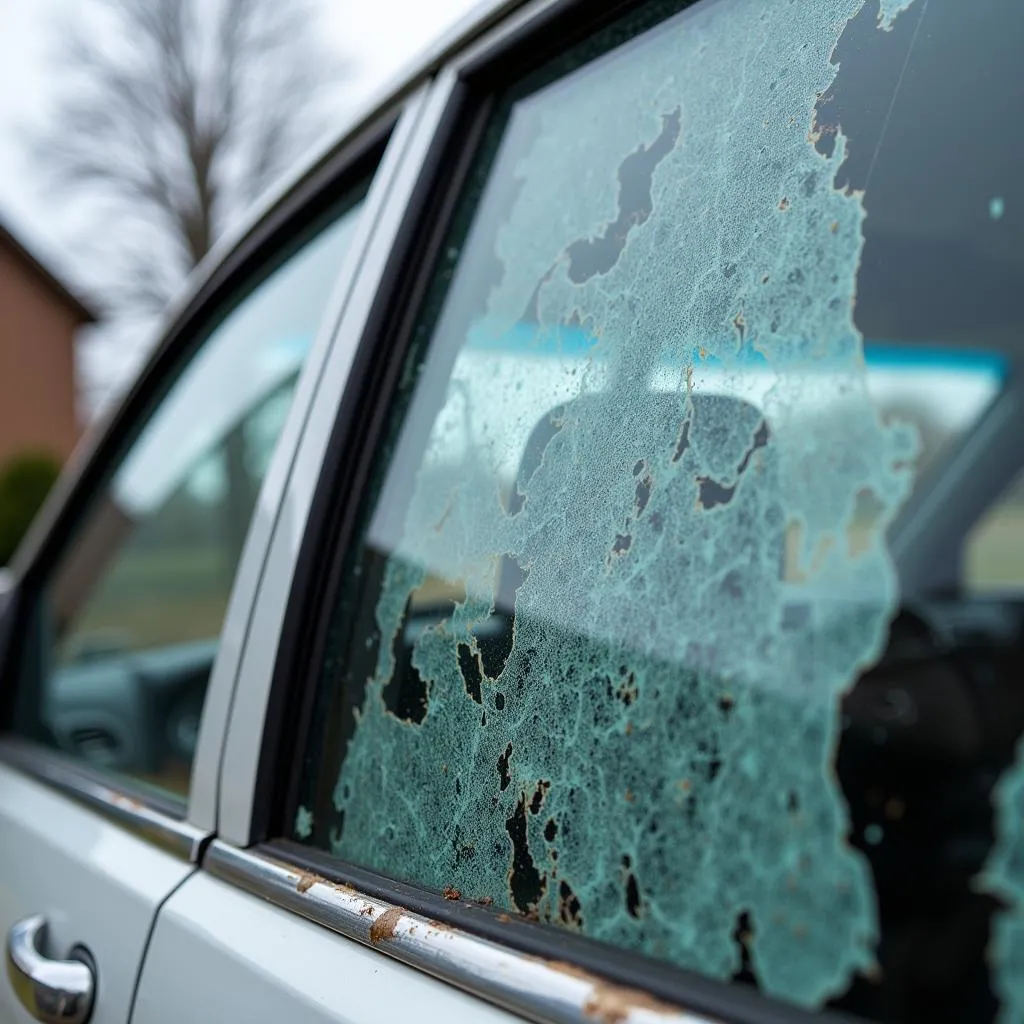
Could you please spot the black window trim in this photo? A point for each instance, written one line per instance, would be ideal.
(525, 39)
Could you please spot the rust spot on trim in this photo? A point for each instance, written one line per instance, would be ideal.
(126, 802)
(366, 910)
(384, 926)
(612, 1004)
(449, 892)
(306, 881)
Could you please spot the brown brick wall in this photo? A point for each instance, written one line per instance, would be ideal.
(37, 371)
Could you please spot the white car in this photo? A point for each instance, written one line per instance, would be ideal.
(565, 560)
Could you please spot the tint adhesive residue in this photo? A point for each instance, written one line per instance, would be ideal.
(890, 10)
(303, 823)
(646, 756)
(1004, 876)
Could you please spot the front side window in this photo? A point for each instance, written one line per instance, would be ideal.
(994, 549)
(129, 618)
(637, 638)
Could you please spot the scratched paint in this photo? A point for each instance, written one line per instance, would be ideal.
(628, 715)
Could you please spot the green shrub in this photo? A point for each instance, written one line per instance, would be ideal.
(25, 481)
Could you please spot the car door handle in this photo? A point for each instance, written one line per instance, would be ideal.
(52, 991)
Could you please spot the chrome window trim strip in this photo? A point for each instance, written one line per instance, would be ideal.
(537, 989)
(143, 820)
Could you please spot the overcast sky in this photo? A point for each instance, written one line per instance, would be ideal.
(380, 35)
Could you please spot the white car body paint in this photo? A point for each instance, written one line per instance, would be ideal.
(94, 882)
(218, 954)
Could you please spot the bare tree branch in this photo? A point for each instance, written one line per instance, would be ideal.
(176, 115)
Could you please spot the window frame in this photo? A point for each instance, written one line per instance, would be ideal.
(345, 398)
(286, 219)
(259, 779)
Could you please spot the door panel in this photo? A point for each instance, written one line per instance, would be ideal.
(94, 882)
(219, 954)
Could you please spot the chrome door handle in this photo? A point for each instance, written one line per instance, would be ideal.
(52, 991)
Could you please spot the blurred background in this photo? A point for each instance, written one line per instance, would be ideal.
(133, 134)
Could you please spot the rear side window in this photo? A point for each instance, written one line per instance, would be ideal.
(662, 625)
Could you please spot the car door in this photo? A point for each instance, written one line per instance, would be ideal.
(638, 662)
(119, 631)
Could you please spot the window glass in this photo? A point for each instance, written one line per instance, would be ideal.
(655, 628)
(131, 614)
(994, 550)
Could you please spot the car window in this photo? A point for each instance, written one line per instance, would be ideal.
(130, 615)
(636, 638)
(994, 547)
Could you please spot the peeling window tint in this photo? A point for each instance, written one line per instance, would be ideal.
(659, 628)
